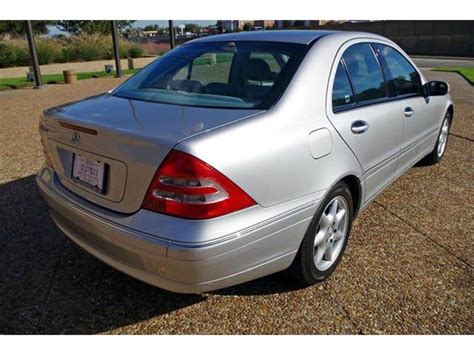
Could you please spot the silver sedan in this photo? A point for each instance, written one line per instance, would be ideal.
(240, 155)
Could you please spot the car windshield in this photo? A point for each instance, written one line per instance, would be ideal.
(218, 74)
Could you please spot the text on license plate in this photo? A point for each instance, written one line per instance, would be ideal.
(88, 171)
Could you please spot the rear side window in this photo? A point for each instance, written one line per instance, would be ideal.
(365, 73)
(406, 80)
(341, 92)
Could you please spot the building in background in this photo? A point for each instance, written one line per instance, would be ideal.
(331, 22)
(234, 25)
(240, 25)
(282, 24)
(149, 34)
(264, 23)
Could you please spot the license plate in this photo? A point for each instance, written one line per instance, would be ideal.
(89, 172)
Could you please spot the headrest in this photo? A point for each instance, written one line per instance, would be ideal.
(258, 69)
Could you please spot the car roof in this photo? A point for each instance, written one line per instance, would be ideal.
(288, 36)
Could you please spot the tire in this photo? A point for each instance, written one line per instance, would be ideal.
(305, 268)
(437, 154)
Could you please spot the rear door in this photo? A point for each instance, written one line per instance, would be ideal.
(361, 111)
(406, 87)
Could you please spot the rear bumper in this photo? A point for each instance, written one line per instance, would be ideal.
(247, 254)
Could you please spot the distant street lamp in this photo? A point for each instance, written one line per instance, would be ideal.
(171, 26)
(116, 50)
(34, 55)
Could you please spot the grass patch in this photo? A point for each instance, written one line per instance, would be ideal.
(18, 83)
(466, 72)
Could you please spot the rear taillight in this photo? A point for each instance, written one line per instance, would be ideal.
(187, 187)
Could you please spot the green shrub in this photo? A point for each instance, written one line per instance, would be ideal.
(68, 54)
(135, 51)
(109, 49)
(14, 53)
(126, 49)
(49, 51)
(123, 49)
(88, 52)
(66, 49)
(86, 48)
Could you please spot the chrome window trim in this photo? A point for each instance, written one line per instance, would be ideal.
(386, 69)
(390, 98)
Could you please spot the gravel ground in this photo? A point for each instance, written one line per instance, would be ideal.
(408, 267)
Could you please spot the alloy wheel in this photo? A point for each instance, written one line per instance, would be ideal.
(443, 137)
(331, 233)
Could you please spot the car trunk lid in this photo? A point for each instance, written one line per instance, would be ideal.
(128, 139)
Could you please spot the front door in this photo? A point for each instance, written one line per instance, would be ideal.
(414, 108)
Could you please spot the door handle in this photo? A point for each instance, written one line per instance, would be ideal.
(408, 112)
(359, 127)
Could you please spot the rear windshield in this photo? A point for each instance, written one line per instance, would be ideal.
(218, 74)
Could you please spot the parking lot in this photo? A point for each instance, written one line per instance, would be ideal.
(407, 269)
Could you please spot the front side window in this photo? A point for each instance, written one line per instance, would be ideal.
(365, 73)
(341, 92)
(240, 74)
(406, 80)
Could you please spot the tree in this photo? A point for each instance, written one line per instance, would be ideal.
(298, 24)
(89, 27)
(163, 30)
(220, 28)
(18, 28)
(247, 26)
(151, 28)
(131, 33)
(191, 27)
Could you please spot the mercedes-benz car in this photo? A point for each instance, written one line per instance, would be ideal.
(240, 155)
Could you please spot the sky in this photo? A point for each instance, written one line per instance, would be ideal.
(142, 23)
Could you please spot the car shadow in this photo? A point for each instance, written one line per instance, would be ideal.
(48, 285)
(268, 285)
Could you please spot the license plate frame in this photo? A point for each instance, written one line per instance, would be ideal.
(89, 172)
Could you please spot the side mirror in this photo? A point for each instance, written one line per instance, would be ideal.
(436, 88)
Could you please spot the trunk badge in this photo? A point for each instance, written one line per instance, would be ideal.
(76, 138)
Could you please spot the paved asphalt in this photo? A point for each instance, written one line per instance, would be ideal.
(408, 267)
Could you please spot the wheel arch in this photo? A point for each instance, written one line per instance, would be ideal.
(355, 188)
(451, 111)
